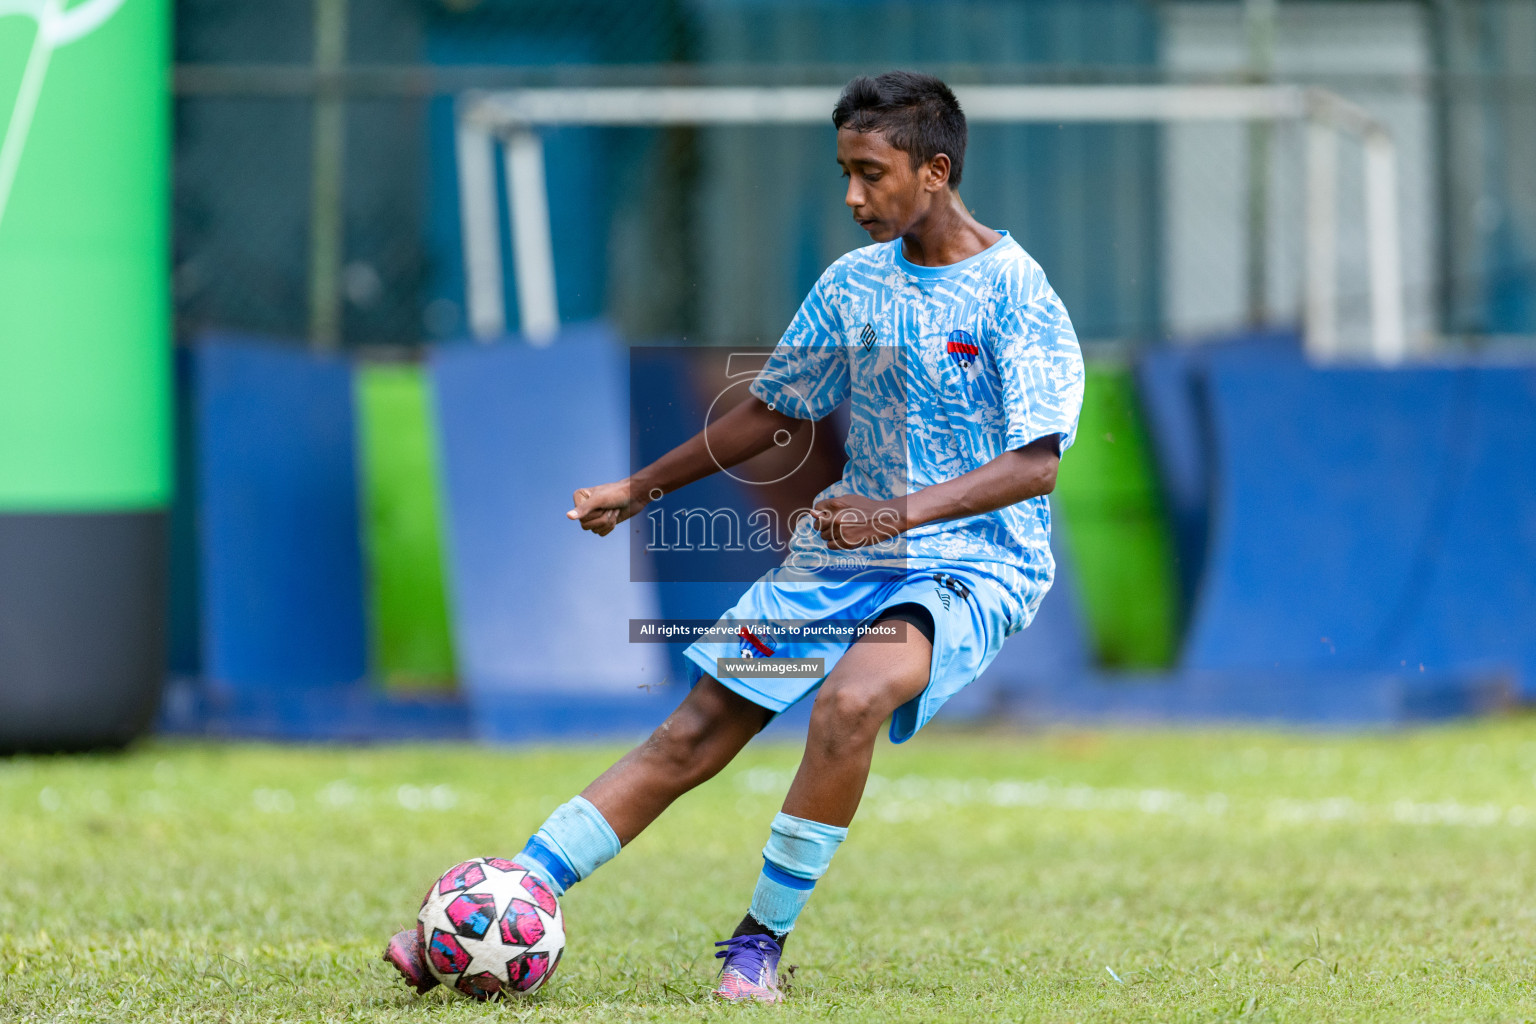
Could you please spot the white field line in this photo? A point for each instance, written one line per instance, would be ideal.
(907, 798)
(918, 797)
(340, 795)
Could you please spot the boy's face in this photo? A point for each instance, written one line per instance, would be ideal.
(885, 192)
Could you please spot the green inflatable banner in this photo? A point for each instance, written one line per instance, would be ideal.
(84, 284)
(85, 452)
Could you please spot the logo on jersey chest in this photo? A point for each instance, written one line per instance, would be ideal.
(867, 337)
(965, 353)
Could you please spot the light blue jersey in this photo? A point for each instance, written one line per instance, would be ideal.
(945, 369)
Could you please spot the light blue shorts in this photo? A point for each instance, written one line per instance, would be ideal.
(971, 614)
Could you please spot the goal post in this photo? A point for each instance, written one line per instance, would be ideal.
(509, 123)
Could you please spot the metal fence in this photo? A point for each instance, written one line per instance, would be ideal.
(316, 192)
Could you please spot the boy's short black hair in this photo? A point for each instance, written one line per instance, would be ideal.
(915, 112)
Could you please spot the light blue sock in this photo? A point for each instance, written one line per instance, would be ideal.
(799, 852)
(573, 843)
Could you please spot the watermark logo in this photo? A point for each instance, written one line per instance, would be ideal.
(760, 512)
(742, 370)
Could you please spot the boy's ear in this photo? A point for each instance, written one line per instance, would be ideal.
(936, 173)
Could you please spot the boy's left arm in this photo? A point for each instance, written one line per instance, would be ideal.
(854, 521)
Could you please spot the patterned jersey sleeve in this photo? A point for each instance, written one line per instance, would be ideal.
(1038, 359)
(807, 375)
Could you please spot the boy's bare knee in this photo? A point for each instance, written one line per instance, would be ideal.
(847, 716)
(857, 708)
(679, 742)
(688, 744)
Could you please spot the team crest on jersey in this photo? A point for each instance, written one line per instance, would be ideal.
(965, 352)
(751, 646)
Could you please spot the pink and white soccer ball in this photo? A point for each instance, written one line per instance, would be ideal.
(490, 927)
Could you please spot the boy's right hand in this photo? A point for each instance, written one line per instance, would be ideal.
(605, 506)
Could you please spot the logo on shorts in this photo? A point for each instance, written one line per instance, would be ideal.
(964, 351)
(751, 646)
(867, 336)
(946, 585)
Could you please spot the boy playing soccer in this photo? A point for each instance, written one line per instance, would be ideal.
(964, 380)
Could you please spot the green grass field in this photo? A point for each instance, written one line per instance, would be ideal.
(1116, 876)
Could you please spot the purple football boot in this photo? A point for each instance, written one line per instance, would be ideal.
(404, 952)
(751, 969)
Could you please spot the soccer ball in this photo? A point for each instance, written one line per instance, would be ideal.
(490, 926)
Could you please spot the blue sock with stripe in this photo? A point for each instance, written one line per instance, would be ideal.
(799, 851)
(573, 843)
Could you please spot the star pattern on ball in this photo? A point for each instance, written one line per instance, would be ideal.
(490, 955)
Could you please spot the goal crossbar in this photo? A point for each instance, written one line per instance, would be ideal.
(511, 120)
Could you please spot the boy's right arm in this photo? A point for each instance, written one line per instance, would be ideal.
(748, 429)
